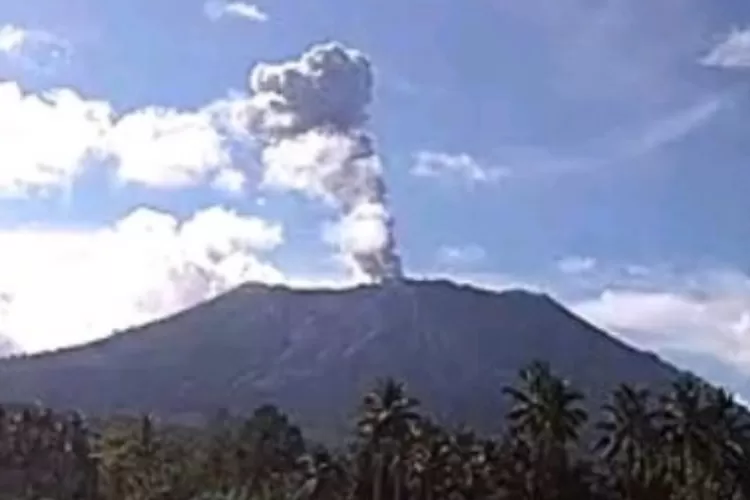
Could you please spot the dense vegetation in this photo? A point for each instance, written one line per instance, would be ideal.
(692, 443)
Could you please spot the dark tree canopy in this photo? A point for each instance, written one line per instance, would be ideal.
(692, 442)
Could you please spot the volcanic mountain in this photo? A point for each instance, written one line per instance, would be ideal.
(315, 352)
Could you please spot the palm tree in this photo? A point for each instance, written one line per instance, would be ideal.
(630, 443)
(324, 477)
(546, 408)
(476, 457)
(426, 466)
(546, 418)
(685, 433)
(727, 431)
(386, 424)
(269, 446)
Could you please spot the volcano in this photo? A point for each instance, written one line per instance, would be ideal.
(315, 352)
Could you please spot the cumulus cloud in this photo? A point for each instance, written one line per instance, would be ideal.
(230, 181)
(455, 167)
(732, 52)
(310, 114)
(216, 9)
(33, 49)
(167, 148)
(49, 139)
(145, 266)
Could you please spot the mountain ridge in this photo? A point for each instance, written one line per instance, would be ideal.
(314, 352)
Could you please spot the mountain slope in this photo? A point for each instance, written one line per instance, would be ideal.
(315, 353)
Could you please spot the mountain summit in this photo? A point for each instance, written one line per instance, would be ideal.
(314, 353)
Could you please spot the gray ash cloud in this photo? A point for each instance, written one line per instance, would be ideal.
(311, 116)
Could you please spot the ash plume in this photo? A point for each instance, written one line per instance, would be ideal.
(311, 116)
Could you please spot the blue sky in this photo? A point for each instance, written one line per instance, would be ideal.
(594, 150)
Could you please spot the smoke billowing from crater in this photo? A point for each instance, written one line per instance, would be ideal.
(311, 114)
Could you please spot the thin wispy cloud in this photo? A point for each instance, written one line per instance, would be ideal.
(651, 137)
(678, 125)
(33, 49)
(629, 54)
(217, 9)
(461, 255)
(732, 53)
(462, 168)
(576, 264)
(535, 163)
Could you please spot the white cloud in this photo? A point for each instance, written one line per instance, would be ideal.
(461, 255)
(167, 148)
(69, 286)
(732, 52)
(230, 181)
(702, 312)
(12, 38)
(679, 313)
(707, 313)
(49, 139)
(33, 49)
(576, 264)
(216, 9)
(460, 167)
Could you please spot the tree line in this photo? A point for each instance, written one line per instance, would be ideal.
(690, 443)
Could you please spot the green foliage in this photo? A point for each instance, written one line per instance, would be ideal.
(691, 443)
